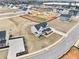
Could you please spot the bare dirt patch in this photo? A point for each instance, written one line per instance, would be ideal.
(62, 26)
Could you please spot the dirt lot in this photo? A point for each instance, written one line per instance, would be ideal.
(3, 54)
(72, 54)
(40, 16)
(7, 25)
(6, 10)
(20, 23)
(62, 26)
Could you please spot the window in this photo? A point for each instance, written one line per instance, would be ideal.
(36, 33)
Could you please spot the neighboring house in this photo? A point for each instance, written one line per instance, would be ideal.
(10, 5)
(27, 9)
(65, 17)
(41, 29)
(59, 10)
(54, 10)
(74, 12)
(62, 11)
(4, 37)
(65, 11)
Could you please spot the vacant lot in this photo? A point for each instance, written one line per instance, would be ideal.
(7, 25)
(38, 16)
(62, 26)
(3, 54)
(6, 10)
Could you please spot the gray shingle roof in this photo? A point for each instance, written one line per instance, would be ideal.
(43, 25)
